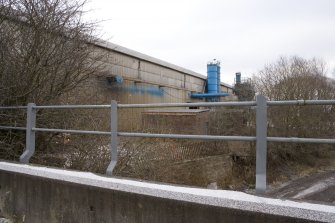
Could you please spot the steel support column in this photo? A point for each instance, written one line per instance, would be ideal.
(261, 144)
(114, 138)
(30, 134)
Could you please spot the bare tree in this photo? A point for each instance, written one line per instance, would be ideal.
(245, 91)
(291, 79)
(45, 52)
(44, 49)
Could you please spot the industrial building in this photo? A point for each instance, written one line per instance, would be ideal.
(132, 77)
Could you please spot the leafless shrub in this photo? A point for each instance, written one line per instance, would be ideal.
(296, 78)
(45, 52)
(245, 91)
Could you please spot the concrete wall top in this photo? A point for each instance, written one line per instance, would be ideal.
(218, 198)
(141, 56)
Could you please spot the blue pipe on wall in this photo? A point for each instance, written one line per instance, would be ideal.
(209, 95)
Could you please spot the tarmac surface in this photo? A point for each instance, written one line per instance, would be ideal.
(318, 188)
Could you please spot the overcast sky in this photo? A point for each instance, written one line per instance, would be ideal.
(243, 34)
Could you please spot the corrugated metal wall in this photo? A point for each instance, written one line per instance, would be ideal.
(138, 70)
(144, 82)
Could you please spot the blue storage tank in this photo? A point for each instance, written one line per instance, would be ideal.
(212, 78)
(213, 83)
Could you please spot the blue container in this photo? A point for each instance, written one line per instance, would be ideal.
(212, 78)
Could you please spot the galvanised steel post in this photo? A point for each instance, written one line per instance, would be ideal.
(30, 134)
(114, 138)
(261, 144)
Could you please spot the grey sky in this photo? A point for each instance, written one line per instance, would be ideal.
(244, 34)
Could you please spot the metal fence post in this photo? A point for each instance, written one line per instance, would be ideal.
(30, 134)
(114, 138)
(261, 144)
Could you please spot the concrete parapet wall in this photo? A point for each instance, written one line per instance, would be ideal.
(39, 194)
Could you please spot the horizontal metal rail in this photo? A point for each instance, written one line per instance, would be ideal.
(71, 106)
(301, 102)
(13, 128)
(179, 136)
(71, 131)
(300, 140)
(151, 135)
(198, 104)
(156, 105)
(13, 107)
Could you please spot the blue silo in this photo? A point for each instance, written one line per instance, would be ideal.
(213, 83)
(212, 78)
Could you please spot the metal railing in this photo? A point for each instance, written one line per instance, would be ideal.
(261, 138)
